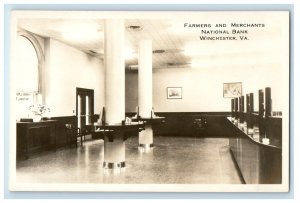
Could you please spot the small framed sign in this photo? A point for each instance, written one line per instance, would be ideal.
(231, 90)
(174, 92)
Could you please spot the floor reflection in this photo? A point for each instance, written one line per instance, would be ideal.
(173, 160)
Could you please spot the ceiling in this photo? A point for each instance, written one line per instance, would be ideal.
(174, 46)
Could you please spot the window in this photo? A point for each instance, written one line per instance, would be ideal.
(27, 76)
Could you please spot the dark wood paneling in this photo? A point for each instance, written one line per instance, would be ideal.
(61, 136)
(273, 127)
(183, 124)
(35, 137)
(61, 127)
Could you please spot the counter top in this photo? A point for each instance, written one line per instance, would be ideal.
(255, 137)
(33, 122)
(156, 119)
(124, 127)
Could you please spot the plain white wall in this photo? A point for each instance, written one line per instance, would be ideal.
(202, 89)
(66, 69)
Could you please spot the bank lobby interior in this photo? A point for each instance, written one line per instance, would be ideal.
(141, 101)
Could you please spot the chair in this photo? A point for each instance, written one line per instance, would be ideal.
(73, 133)
(84, 130)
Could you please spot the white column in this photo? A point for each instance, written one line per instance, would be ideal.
(114, 152)
(146, 136)
(145, 78)
(114, 62)
(145, 91)
(114, 71)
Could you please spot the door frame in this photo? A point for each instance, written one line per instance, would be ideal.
(85, 91)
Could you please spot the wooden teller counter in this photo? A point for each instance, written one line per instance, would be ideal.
(257, 145)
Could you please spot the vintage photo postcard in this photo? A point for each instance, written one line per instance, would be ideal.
(136, 101)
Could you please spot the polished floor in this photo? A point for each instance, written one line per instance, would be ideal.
(174, 160)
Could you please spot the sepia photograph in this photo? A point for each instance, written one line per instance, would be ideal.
(89, 110)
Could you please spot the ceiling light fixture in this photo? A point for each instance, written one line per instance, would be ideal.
(134, 28)
(158, 51)
(183, 64)
(92, 52)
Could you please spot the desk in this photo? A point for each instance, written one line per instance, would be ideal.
(107, 129)
(35, 137)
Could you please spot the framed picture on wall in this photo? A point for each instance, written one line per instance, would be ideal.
(174, 92)
(231, 90)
